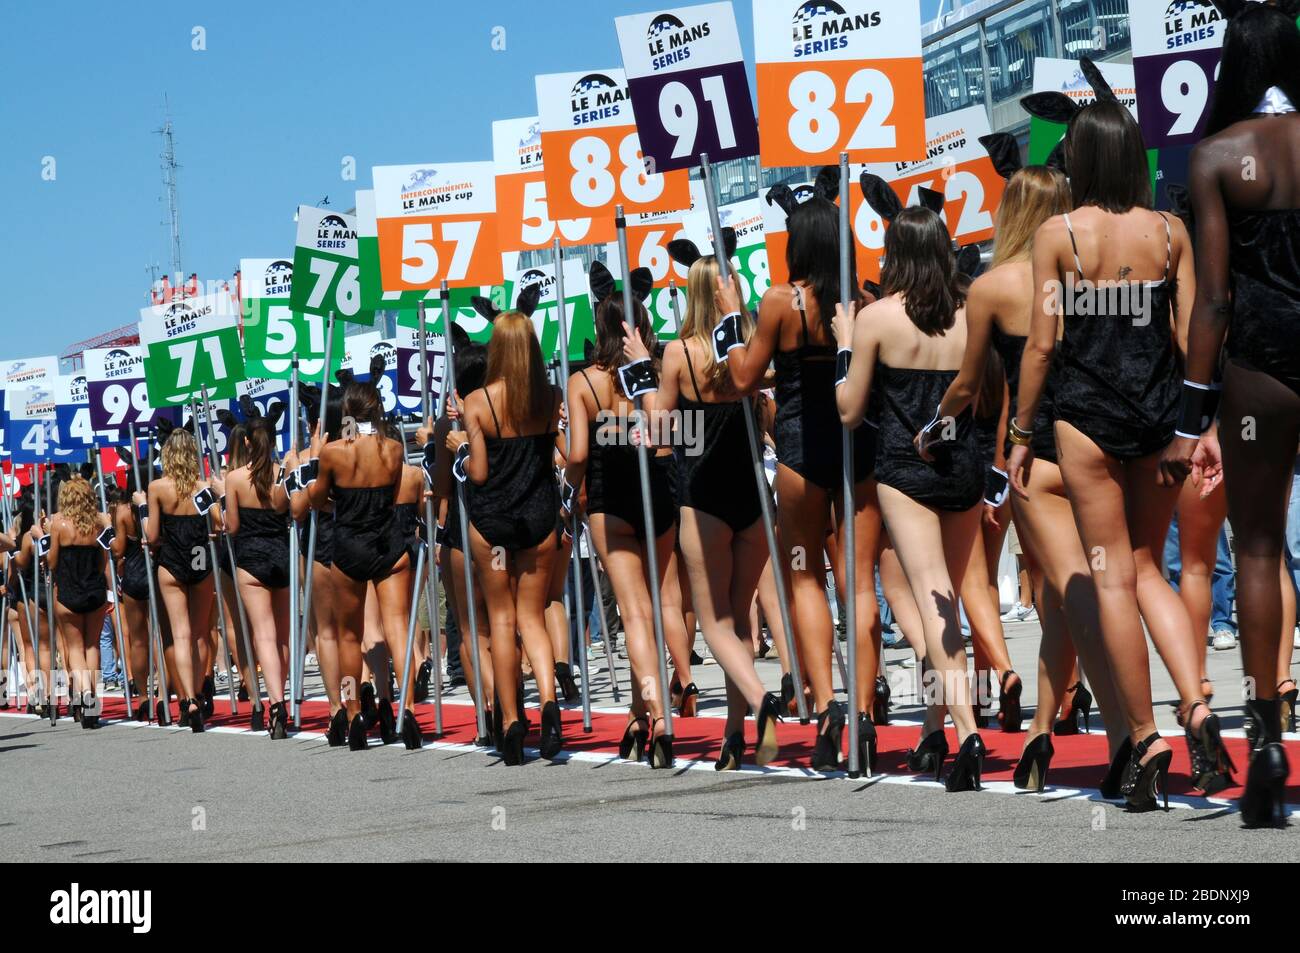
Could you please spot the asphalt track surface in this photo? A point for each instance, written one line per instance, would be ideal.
(132, 792)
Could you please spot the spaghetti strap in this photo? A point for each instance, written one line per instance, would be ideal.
(1078, 266)
(690, 369)
(546, 426)
(1169, 247)
(591, 387)
(803, 320)
(494, 412)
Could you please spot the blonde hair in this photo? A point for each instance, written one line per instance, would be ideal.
(515, 358)
(77, 505)
(702, 319)
(180, 461)
(1033, 195)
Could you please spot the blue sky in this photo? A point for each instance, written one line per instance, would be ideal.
(264, 118)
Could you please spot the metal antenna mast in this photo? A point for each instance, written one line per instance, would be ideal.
(169, 168)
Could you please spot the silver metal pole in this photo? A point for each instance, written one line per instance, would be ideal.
(849, 549)
(575, 526)
(49, 602)
(450, 390)
(212, 548)
(156, 649)
(305, 621)
(404, 695)
(117, 593)
(647, 508)
(297, 632)
(604, 623)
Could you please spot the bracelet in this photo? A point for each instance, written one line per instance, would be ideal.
(843, 357)
(996, 487)
(1198, 408)
(1017, 436)
(638, 378)
(727, 337)
(458, 464)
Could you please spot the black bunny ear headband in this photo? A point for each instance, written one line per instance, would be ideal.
(826, 186)
(525, 304)
(686, 253)
(603, 286)
(1060, 108)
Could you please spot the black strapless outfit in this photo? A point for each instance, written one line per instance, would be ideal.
(1121, 377)
(79, 578)
(366, 543)
(183, 538)
(262, 546)
(718, 477)
(1011, 348)
(954, 481)
(614, 481)
(1264, 263)
(515, 507)
(808, 431)
(134, 578)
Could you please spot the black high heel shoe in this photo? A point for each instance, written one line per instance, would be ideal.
(411, 736)
(141, 711)
(196, 716)
(76, 713)
(257, 719)
(1031, 770)
(929, 756)
(209, 700)
(485, 740)
(512, 744)
(830, 726)
(733, 752)
(279, 728)
(1287, 706)
(564, 679)
(1211, 765)
(632, 746)
(552, 737)
(337, 736)
(1080, 706)
(660, 754)
(880, 707)
(1111, 786)
(367, 699)
(689, 704)
(1009, 715)
(787, 695)
(1262, 803)
(1144, 783)
(357, 732)
(387, 723)
(498, 727)
(182, 712)
(866, 745)
(422, 677)
(967, 766)
(766, 746)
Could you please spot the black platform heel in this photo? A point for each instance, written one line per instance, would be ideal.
(1262, 803)
(1031, 770)
(766, 745)
(830, 726)
(196, 716)
(1009, 714)
(928, 757)
(1287, 706)
(1080, 708)
(880, 707)
(866, 745)
(1145, 783)
(422, 677)
(209, 693)
(411, 736)
(512, 744)
(367, 699)
(76, 713)
(357, 732)
(141, 711)
(632, 745)
(279, 729)
(337, 736)
(1111, 786)
(660, 754)
(485, 740)
(787, 695)
(689, 705)
(733, 753)
(564, 679)
(1211, 765)
(387, 723)
(967, 766)
(552, 735)
(257, 720)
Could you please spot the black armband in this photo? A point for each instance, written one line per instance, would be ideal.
(726, 337)
(638, 378)
(142, 513)
(1198, 409)
(440, 534)
(458, 465)
(427, 464)
(843, 357)
(291, 484)
(280, 476)
(308, 472)
(106, 536)
(568, 494)
(204, 500)
(996, 487)
(43, 547)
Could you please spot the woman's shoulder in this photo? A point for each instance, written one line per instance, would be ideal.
(782, 296)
